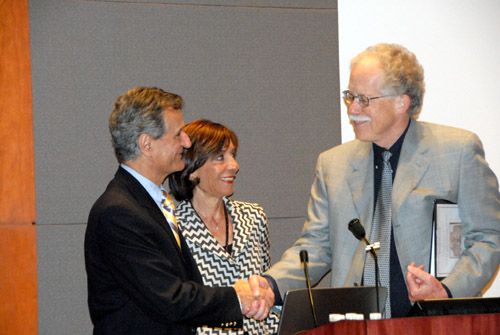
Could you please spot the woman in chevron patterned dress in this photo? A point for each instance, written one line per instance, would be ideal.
(228, 239)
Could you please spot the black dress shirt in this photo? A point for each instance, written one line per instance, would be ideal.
(400, 303)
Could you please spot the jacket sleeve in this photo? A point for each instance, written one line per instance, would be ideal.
(479, 209)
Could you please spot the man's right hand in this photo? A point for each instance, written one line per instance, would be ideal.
(422, 285)
(256, 297)
(261, 288)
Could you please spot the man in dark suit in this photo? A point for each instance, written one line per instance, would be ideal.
(142, 278)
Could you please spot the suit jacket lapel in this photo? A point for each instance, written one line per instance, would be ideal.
(145, 200)
(411, 167)
(360, 180)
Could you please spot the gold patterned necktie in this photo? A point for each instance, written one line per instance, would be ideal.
(168, 210)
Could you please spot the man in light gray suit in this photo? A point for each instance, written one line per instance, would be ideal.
(428, 161)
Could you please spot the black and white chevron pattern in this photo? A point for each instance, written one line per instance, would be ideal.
(250, 254)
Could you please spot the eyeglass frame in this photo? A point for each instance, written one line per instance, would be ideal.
(357, 98)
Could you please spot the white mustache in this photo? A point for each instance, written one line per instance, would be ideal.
(359, 118)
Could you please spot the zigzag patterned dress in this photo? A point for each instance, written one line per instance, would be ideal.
(250, 254)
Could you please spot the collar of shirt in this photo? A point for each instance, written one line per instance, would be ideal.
(153, 190)
(395, 150)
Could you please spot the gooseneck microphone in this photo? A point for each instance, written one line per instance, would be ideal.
(357, 229)
(304, 260)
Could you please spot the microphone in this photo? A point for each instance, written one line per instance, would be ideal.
(357, 229)
(304, 260)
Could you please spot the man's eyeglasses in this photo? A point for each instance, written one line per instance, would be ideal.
(363, 100)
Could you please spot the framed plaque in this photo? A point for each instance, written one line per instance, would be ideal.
(448, 237)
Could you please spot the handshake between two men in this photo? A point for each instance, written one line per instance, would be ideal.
(256, 297)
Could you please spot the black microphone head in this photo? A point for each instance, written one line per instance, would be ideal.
(357, 229)
(303, 256)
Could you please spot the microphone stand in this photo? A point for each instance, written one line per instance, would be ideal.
(359, 232)
(304, 259)
(371, 249)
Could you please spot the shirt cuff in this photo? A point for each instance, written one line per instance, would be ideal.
(277, 296)
(447, 290)
(239, 301)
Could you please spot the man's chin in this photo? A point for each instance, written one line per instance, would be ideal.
(363, 137)
(180, 166)
(176, 167)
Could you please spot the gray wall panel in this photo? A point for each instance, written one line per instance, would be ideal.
(284, 232)
(62, 283)
(270, 75)
(301, 4)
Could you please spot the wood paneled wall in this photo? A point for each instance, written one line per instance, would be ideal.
(18, 287)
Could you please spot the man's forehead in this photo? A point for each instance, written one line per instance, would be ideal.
(172, 109)
(368, 66)
(171, 112)
(173, 118)
(365, 78)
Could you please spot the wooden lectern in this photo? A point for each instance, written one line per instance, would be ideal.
(477, 324)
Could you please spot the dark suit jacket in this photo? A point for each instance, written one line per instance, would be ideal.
(139, 281)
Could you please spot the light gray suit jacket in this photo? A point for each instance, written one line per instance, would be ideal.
(436, 162)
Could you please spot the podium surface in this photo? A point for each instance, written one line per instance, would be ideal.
(478, 324)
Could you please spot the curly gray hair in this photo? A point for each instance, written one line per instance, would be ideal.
(402, 73)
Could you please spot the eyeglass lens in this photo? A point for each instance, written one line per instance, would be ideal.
(363, 100)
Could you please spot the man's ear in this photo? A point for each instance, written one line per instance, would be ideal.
(403, 103)
(144, 142)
